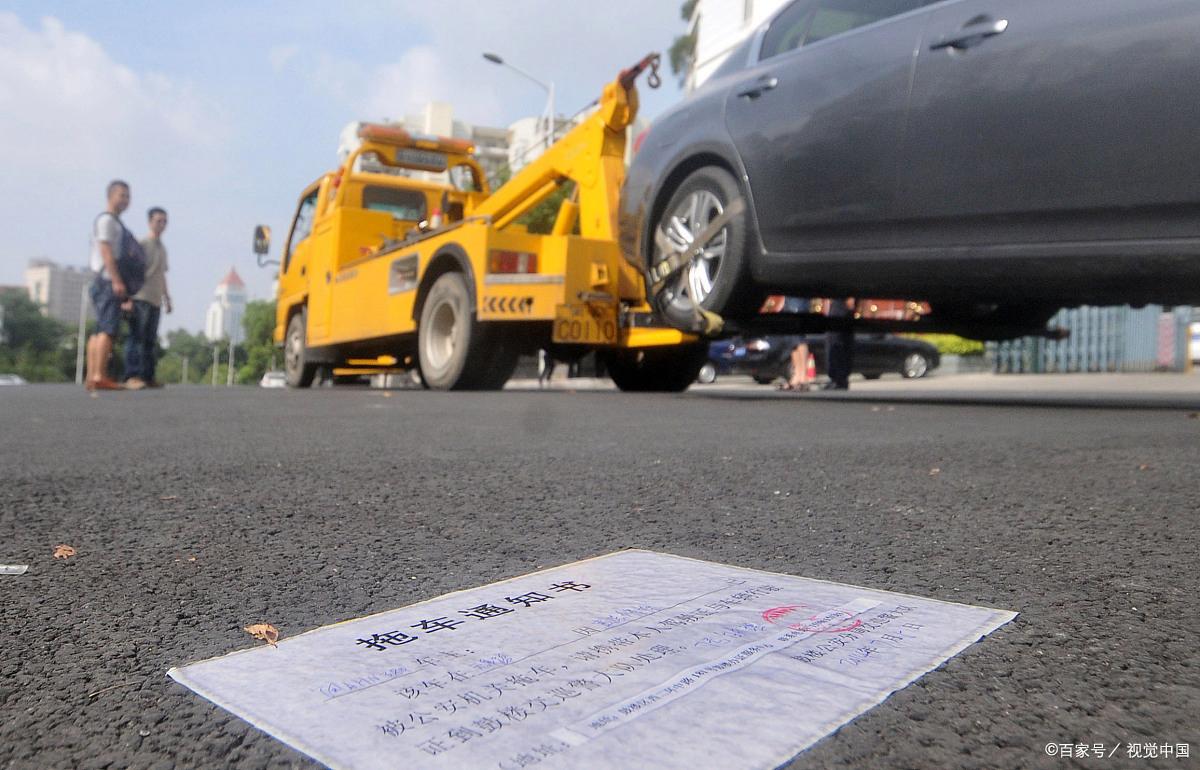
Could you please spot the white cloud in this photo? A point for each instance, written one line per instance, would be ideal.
(578, 45)
(421, 75)
(66, 104)
(71, 119)
(280, 55)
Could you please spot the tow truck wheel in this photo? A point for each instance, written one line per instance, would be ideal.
(297, 371)
(665, 370)
(454, 351)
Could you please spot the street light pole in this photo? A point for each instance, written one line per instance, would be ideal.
(547, 87)
(83, 303)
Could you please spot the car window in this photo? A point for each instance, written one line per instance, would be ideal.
(787, 29)
(301, 226)
(408, 205)
(736, 60)
(833, 17)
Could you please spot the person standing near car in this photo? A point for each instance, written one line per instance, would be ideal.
(141, 352)
(108, 290)
(839, 345)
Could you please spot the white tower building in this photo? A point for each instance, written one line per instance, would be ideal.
(227, 309)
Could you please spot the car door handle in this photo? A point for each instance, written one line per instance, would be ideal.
(971, 34)
(759, 87)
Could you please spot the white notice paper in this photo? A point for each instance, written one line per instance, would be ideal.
(635, 659)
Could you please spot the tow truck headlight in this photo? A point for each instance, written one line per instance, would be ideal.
(512, 262)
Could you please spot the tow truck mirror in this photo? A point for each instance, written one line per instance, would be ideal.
(262, 244)
(262, 240)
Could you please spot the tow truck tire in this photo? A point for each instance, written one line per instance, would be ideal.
(720, 280)
(455, 351)
(663, 370)
(298, 371)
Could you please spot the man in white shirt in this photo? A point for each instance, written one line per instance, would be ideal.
(107, 291)
(141, 351)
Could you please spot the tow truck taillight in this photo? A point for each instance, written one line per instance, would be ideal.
(512, 262)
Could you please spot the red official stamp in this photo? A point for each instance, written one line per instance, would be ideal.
(822, 621)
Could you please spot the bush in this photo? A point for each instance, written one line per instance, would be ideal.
(952, 345)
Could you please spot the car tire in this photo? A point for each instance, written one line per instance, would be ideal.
(719, 280)
(454, 350)
(669, 369)
(766, 379)
(707, 375)
(298, 371)
(915, 366)
(872, 376)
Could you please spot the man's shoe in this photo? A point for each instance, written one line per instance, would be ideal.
(104, 384)
(134, 383)
(155, 384)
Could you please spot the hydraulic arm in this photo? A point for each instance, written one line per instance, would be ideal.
(592, 154)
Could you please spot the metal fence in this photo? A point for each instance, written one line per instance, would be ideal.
(1102, 339)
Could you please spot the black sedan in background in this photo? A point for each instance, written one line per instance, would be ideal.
(998, 158)
(769, 358)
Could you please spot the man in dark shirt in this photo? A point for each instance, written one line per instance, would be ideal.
(839, 345)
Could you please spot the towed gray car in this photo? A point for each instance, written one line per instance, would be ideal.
(998, 158)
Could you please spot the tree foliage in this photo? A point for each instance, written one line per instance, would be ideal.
(682, 52)
(37, 347)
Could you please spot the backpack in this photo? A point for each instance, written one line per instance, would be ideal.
(131, 260)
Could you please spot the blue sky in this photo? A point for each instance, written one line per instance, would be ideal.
(221, 112)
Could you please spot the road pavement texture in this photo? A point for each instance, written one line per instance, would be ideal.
(196, 512)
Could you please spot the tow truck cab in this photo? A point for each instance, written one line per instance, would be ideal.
(391, 184)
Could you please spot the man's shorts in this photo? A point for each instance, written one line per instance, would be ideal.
(108, 307)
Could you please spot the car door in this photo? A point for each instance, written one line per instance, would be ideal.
(1053, 121)
(817, 121)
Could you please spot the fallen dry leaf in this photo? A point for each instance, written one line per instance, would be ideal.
(387, 395)
(264, 631)
(1194, 415)
(63, 551)
(169, 497)
(1143, 467)
(934, 471)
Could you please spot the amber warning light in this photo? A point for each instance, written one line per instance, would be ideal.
(512, 262)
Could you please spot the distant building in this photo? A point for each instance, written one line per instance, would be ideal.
(719, 26)
(57, 289)
(227, 309)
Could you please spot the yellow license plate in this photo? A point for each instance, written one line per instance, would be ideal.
(586, 324)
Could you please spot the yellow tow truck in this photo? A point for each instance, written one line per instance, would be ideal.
(426, 268)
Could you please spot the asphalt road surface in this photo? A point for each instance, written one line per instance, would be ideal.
(196, 512)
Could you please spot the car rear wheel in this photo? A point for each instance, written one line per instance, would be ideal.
(915, 366)
(669, 369)
(717, 278)
(297, 370)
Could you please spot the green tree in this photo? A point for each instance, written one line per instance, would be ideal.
(26, 328)
(39, 348)
(195, 348)
(257, 353)
(682, 52)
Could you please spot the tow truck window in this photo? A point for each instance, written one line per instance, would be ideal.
(462, 177)
(408, 205)
(301, 226)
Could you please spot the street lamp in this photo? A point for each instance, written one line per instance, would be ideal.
(548, 87)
